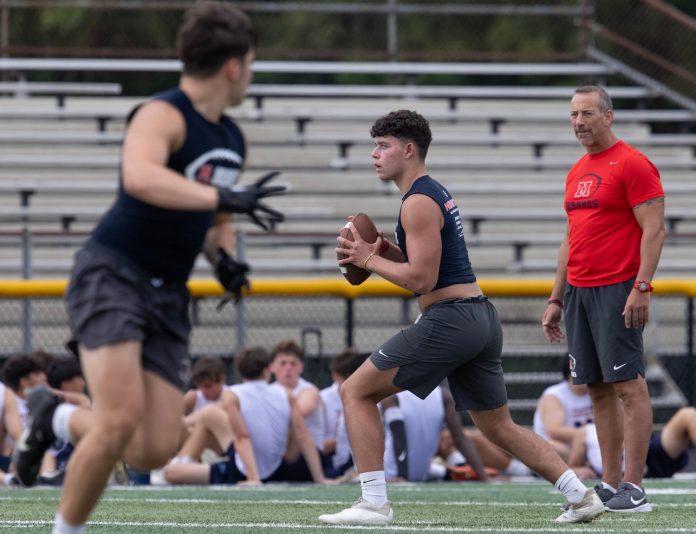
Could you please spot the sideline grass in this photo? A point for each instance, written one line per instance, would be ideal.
(445, 507)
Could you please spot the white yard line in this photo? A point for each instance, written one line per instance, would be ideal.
(309, 502)
(296, 526)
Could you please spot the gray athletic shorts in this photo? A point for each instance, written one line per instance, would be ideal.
(600, 347)
(110, 301)
(460, 340)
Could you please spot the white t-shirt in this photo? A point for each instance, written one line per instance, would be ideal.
(577, 409)
(423, 420)
(266, 412)
(333, 410)
(202, 402)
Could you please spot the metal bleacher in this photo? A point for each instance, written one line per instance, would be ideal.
(503, 155)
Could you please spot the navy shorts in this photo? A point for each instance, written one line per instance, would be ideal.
(659, 464)
(226, 472)
(600, 347)
(297, 471)
(460, 340)
(110, 301)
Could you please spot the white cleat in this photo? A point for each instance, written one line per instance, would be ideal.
(361, 513)
(590, 507)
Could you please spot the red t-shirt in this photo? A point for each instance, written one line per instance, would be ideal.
(601, 191)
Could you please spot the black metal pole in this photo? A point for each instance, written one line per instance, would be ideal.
(349, 322)
(691, 365)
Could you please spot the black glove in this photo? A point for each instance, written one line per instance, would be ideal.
(246, 199)
(232, 276)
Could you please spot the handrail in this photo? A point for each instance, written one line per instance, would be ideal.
(315, 67)
(337, 287)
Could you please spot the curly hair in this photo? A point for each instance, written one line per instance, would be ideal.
(405, 125)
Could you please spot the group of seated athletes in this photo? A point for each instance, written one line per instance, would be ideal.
(274, 425)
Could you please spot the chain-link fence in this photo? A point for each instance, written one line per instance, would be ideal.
(326, 325)
(654, 42)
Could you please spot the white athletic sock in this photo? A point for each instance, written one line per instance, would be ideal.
(61, 527)
(608, 487)
(436, 471)
(9, 477)
(455, 458)
(571, 487)
(61, 421)
(517, 469)
(374, 487)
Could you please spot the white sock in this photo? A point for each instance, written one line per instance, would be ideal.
(455, 458)
(61, 527)
(436, 471)
(571, 487)
(61, 421)
(9, 477)
(374, 487)
(517, 469)
(608, 487)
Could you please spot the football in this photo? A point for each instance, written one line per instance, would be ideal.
(367, 229)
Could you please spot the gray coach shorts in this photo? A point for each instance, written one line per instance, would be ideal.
(600, 347)
(460, 340)
(111, 301)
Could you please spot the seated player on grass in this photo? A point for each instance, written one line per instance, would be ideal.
(667, 453)
(208, 377)
(257, 426)
(65, 378)
(287, 366)
(338, 458)
(412, 435)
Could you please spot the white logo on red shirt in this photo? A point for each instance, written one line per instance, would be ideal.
(584, 189)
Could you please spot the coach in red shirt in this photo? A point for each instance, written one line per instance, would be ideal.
(615, 207)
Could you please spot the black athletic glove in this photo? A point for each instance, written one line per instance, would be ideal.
(246, 199)
(232, 276)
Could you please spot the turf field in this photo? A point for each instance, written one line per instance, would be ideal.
(447, 507)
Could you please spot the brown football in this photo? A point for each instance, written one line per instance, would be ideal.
(367, 229)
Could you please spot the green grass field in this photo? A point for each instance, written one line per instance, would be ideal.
(446, 507)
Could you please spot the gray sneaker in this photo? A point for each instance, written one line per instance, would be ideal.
(628, 499)
(604, 494)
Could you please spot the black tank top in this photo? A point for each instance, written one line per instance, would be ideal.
(163, 242)
(455, 267)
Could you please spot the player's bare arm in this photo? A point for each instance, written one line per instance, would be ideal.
(11, 418)
(460, 439)
(553, 419)
(242, 440)
(220, 235)
(307, 446)
(551, 320)
(308, 401)
(157, 130)
(651, 218)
